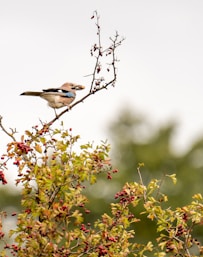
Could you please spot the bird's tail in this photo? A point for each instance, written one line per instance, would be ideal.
(31, 93)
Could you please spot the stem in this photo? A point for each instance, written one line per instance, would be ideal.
(5, 131)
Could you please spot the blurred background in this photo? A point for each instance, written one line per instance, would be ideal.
(153, 115)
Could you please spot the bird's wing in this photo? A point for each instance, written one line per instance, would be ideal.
(70, 94)
(62, 94)
(52, 90)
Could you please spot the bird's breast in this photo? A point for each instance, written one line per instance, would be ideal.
(54, 101)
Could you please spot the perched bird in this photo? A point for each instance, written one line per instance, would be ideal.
(58, 97)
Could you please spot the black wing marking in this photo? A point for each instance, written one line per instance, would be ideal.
(55, 90)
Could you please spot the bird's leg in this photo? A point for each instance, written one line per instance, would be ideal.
(68, 107)
(55, 113)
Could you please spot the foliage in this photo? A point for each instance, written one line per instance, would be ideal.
(53, 217)
(136, 139)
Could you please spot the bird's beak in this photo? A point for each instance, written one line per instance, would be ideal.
(78, 87)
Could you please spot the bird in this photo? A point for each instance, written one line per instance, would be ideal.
(57, 97)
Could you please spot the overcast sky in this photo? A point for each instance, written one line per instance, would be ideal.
(45, 43)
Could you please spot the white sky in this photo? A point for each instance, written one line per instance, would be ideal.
(45, 43)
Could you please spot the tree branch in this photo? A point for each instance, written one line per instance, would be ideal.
(13, 131)
(99, 82)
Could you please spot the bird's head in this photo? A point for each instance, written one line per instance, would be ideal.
(71, 86)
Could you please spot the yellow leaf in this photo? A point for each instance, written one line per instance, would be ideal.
(197, 196)
(28, 133)
(173, 177)
(22, 138)
(38, 148)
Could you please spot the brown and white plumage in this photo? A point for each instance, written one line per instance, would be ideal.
(58, 97)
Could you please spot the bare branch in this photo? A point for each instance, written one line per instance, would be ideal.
(99, 82)
(13, 131)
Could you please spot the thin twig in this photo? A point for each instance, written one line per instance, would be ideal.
(5, 131)
(141, 181)
(98, 49)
